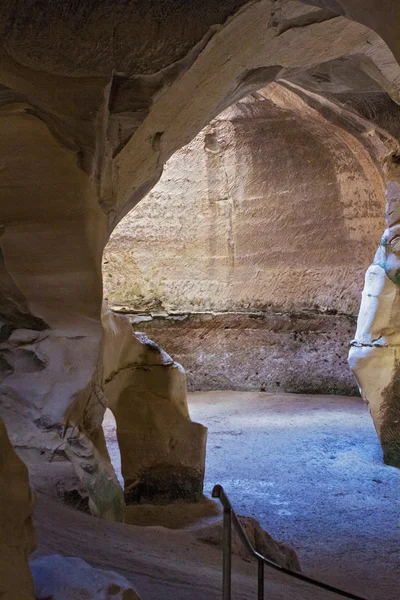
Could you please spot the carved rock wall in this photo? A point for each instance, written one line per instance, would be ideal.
(273, 209)
(296, 352)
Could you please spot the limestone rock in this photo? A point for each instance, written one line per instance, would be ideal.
(162, 450)
(265, 210)
(17, 538)
(60, 437)
(279, 210)
(70, 578)
(262, 542)
(375, 352)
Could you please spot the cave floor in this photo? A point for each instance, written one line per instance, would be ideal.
(310, 469)
(162, 564)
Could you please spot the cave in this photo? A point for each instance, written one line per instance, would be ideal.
(253, 293)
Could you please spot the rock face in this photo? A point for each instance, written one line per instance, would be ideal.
(262, 542)
(272, 206)
(94, 98)
(300, 352)
(162, 450)
(375, 353)
(17, 539)
(60, 577)
(278, 211)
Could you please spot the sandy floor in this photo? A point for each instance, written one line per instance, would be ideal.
(309, 468)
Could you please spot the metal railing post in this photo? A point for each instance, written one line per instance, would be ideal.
(227, 555)
(260, 595)
(230, 518)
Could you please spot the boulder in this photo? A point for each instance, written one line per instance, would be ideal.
(70, 578)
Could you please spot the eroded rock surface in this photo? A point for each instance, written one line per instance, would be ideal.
(66, 577)
(375, 353)
(262, 542)
(162, 450)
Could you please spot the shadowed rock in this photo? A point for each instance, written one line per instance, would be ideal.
(262, 542)
(17, 538)
(63, 577)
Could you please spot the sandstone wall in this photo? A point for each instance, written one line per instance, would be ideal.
(271, 209)
(295, 352)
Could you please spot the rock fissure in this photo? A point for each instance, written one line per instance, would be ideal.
(139, 366)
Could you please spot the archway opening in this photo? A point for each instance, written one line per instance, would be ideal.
(246, 263)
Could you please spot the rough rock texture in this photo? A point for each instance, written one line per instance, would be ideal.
(301, 352)
(17, 538)
(51, 361)
(375, 354)
(162, 450)
(95, 97)
(61, 577)
(273, 207)
(262, 542)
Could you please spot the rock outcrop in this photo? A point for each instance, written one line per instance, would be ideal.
(60, 577)
(17, 538)
(262, 542)
(162, 450)
(375, 353)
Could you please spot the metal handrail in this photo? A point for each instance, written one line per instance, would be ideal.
(230, 518)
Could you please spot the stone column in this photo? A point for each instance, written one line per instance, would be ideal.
(54, 225)
(162, 450)
(374, 356)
